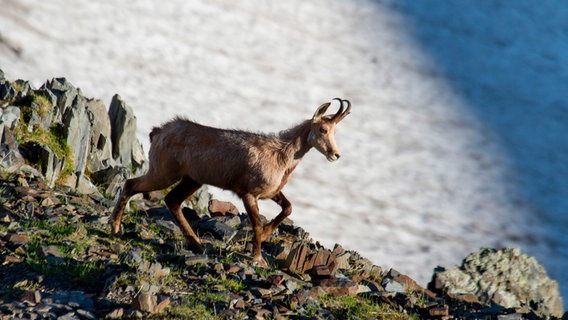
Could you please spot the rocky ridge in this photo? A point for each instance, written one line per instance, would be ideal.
(58, 261)
(57, 134)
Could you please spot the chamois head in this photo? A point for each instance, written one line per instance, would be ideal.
(322, 129)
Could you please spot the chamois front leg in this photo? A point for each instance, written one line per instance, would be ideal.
(286, 206)
(251, 205)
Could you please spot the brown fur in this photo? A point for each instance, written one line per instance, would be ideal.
(252, 165)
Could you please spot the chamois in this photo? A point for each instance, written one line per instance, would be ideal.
(252, 165)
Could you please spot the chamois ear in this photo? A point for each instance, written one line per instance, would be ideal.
(321, 111)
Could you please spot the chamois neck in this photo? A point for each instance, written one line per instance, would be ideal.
(296, 140)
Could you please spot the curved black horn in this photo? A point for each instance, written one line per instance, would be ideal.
(339, 112)
(348, 110)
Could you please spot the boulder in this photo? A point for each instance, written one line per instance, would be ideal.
(222, 208)
(200, 201)
(7, 91)
(77, 126)
(65, 93)
(504, 277)
(22, 87)
(126, 149)
(110, 180)
(49, 164)
(10, 158)
(37, 108)
(100, 146)
(9, 118)
(218, 229)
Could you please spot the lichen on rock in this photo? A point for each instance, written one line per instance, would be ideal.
(505, 277)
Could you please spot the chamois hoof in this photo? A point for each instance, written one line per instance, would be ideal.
(115, 233)
(260, 262)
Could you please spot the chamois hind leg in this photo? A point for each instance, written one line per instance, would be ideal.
(286, 206)
(174, 199)
(133, 186)
(251, 206)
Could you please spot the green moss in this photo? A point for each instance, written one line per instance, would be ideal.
(53, 138)
(18, 85)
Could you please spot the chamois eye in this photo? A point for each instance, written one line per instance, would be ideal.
(323, 130)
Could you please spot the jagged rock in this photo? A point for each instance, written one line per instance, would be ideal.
(51, 253)
(115, 314)
(9, 118)
(11, 159)
(37, 109)
(31, 296)
(222, 208)
(504, 277)
(12, 91)
(134, 255)
(232, 221)
(43, 156)
(125, 146)
(281, 250)
(7, 91)
(65, 93)
(100, 145)
(196, 259)
(74, 298)
(319, 263)
(16, 240)
(438, 311)
(77, 127)
(170, 226)
(110, 179)
(297, 257)
(218, 229)
(200, 201)
(338, 286)
(155, 269)
(392, 286)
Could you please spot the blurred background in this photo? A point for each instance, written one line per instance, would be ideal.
(458, 136)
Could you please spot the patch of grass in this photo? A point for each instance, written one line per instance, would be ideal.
(186, 309)
(349, 307)
(230, 284)
(86, 273)
(53, 232)
(264, 272)
(233, 284)
(18, 85)
(210, 297)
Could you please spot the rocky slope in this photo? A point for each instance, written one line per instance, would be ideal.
(64, 158)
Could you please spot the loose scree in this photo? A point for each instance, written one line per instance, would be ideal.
(252, 165)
